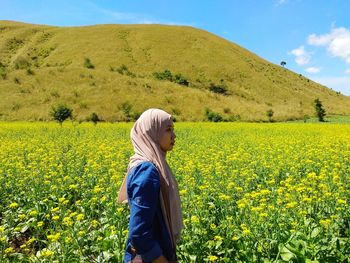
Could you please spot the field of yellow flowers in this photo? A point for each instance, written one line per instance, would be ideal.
(250, 192)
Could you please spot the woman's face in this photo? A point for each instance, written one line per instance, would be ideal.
(167, 140)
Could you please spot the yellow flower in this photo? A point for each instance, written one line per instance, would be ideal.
(194, 219)
(73, 187)
(263, 215)
(246, 232)
(55, 218)
(97, 189)
(94, 223)
(9, 250)
(80, 217)
(33, 213)
(40, 224)
(341, 201)
(46, 253)
(325, 222)
(224, 197)
(183, 192)
(307, 199)
(53, 210)
(21, 217)
(14, 205)
(234, 238)
(73, 214)
(291, 204)
(218, 238)
(212, 258)
(31, 240)
(213, 226)
(68, 221)
(54, 237)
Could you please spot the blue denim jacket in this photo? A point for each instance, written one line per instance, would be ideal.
(148, 233)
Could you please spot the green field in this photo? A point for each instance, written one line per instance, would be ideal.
(269, 192)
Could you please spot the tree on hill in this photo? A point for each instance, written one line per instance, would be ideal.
(269, 114)
(283, 63)
(320, 111)
(61, 113)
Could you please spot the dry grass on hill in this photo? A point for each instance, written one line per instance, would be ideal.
(43, 66)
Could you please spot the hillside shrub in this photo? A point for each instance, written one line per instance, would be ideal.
(219, 88)
(167, 75)
(213, 116)
(123, 70)
(179, 79)
(14, 43)
(88, 64)
(61, 113)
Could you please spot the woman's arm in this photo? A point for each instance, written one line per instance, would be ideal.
(144, 191)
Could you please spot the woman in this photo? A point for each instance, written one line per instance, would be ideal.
(151, 191)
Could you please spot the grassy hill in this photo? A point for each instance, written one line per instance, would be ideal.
(106, 68)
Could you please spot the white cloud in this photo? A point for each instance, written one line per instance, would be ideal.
(347, 71)
(341, 84)
(313, 70)
(302, 57)
(337, 42)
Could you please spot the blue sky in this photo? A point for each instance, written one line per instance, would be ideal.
(312, 36)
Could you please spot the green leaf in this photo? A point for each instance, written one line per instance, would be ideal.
(285, 253)
(24, 229)
(315, 232)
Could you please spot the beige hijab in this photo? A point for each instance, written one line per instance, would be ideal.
(145, 136)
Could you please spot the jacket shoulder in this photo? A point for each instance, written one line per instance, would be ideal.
(144, 171)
